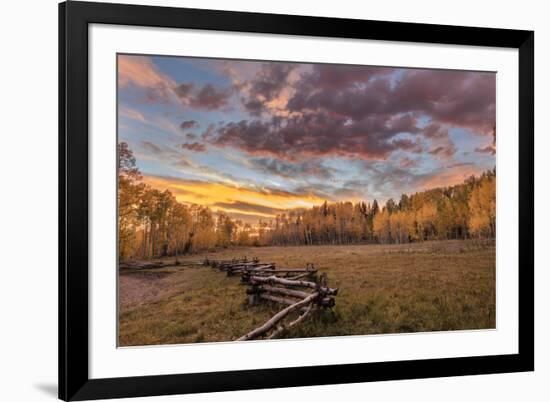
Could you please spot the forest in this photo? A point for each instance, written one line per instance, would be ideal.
(152, 223)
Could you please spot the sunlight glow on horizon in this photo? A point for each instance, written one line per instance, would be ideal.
(213, 194)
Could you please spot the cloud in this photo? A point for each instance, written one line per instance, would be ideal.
(332, 110)
(445, 177)
(459, 164)
(292, 170)
(337, 76)
(389, 180)
(440, 144)
(268, 89)
(159, 150)
(440, 150)
(246, 207)
(184, 90)
(239, 72)
(210, 193)
(348, 194)
(129, 113)
(189, 124)
(457, 98)
(153, 148)
(385, 181)
(210, 97)
(183, 162)
(357, 111)
(318, 134)
(142, 72)
(207, 97)
(489, 149)
(271, 79)
(173, 158)
(406, 162)
(308, 128)
(194, 146)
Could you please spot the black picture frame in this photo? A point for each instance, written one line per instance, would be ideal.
(74, 18)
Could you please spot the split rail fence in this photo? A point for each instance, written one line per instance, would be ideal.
(298, 290)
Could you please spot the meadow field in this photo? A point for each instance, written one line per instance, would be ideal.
(425, 286)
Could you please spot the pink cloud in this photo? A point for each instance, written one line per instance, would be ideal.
(142, 72)
(357, 110)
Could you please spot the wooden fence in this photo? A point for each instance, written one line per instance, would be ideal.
(299, 290)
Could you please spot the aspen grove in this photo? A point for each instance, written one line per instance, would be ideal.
(152, 223)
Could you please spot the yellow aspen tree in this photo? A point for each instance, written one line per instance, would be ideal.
(482, 205)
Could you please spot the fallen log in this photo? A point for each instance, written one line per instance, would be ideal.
(187, 263)
(294, 278)
(310, 276)
(324, 302)
(208, 261)
(259, 270)
(225, 267)
(287, 282)
(298, 320)
(282, 291)
(254, 268)
(134, 264)
(282, 281)
(230, 265)
(268, 325)
(250, 263)
(220, 263)
(292, 271)
(262, 267)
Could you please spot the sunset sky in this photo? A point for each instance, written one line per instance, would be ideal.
(255, 138)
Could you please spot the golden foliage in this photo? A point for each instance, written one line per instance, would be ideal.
(482, 205)
(153, 223)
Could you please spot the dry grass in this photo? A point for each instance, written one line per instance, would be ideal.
(383, 289)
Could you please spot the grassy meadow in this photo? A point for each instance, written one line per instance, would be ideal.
(430, 286)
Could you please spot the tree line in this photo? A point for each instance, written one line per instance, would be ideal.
(152, 223)
(463, 211)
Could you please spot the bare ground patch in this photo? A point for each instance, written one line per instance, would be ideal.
(142, 287)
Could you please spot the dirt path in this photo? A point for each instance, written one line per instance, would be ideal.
(139, 288)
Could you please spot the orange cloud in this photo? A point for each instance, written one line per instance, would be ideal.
(228, 198)
(132, 114)
(450, 177)
(140, 70)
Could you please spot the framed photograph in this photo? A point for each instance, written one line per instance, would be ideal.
(257, 201)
